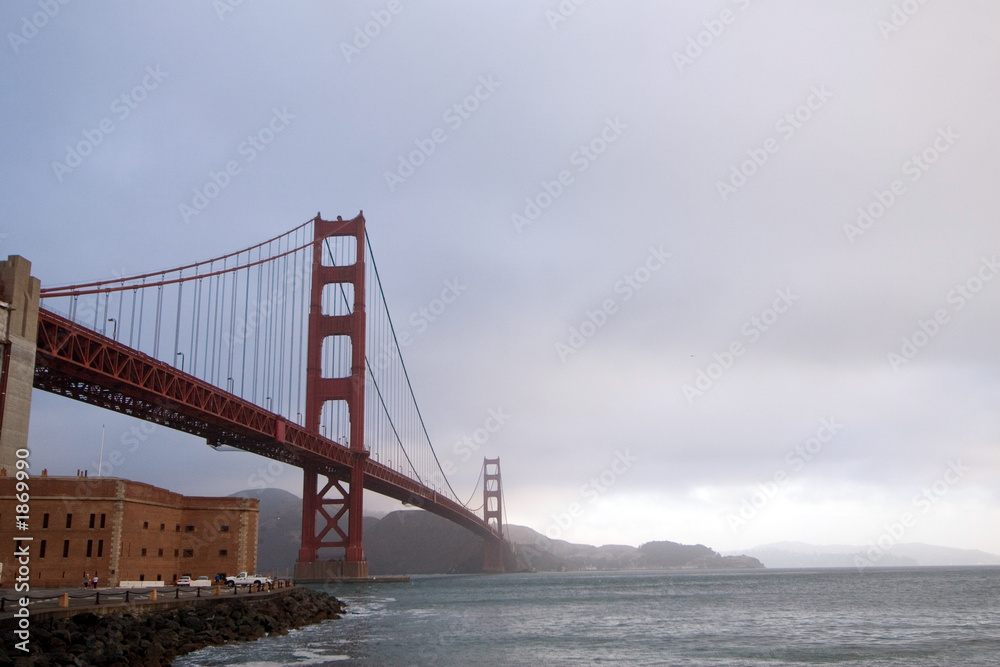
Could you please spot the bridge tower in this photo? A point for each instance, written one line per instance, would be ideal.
(19, 297)
(493, 513)
(320, 390)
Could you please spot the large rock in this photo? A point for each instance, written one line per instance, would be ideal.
(131, 637)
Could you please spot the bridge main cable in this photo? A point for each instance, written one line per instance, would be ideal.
(406, 375)
(119, 284)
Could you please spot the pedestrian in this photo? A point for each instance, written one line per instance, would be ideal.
(95, 580)
(86, 580)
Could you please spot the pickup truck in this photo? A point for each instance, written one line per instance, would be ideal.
(244, 579)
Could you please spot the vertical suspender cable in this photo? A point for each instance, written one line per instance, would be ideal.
(142, 305)
(403, 366)
(210, 316)
(118, 320)
(156, 328)
(104, 322)
(131, 322)
(243, 337)
(256, 330)
(220, 319)
(177, 327)
(296, 369)
(196, 325)
(268, 334)
(283, 325)
(232, 332)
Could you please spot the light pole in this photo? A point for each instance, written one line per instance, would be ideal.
(181, 355)
(114, 335)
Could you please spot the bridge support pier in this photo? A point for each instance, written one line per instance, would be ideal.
(493, 513)
(331, 511)
(19, 297)
(320, 389)
(493, 556)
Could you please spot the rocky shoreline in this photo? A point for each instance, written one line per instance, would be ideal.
(131, 637)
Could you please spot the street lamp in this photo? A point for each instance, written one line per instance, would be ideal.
(114, 335)
(181, 355)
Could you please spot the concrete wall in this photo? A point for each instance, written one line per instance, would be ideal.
(18, 336)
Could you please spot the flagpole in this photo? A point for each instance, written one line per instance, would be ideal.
(100, 466)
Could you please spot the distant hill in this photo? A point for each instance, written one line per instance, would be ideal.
(803, 555)
(279, 527)
(544, 554)
(418, 542)
(406, 542)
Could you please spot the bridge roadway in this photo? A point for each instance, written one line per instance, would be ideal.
(74, 361)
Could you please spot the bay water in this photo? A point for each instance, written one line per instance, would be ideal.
(873, 616)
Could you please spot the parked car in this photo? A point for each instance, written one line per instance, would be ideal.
(184, 581)
(244, 579)
(201, 581)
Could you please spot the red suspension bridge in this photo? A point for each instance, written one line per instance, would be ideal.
(284, 349)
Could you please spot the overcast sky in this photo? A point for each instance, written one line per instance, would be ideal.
(729, 268)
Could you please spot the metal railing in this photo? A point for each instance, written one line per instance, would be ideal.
(127, 596)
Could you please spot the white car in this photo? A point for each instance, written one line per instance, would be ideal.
(244, 579)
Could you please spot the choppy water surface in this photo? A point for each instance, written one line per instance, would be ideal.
(918, 616)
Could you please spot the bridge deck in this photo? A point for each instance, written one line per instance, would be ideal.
(79, 363)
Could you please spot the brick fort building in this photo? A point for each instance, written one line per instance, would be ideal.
(121, 530)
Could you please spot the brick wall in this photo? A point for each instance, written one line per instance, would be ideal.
(124, 530)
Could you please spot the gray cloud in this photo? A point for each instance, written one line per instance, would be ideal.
(657, 184)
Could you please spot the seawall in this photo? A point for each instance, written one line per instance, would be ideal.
(127, 636)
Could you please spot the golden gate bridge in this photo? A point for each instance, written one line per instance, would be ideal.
(284, 349)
